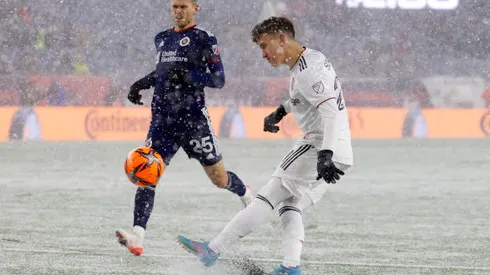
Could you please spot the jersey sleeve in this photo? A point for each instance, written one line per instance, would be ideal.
(287, 105)
(159, 40)
(212, 52)
(214, 64)
(317, 84)
(159, 43)
(215, 78)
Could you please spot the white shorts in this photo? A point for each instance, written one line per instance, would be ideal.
(298, 171)
(278, 195)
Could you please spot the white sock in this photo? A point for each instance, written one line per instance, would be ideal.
(245, 222)
(293, 235)
(139, 232)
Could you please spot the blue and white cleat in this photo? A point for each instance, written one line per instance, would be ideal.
(200, 249)
(282, 270)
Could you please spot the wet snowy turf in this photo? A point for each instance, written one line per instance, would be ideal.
(407, 207)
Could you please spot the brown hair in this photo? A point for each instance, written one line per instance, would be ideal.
(273, 25)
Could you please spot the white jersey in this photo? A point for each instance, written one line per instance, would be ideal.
(315, 94)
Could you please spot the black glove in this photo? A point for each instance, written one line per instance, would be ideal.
(134, 95)
(145, 83)
(275, 117)
(326, 168)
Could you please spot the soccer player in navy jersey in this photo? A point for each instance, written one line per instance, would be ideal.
(187, 61)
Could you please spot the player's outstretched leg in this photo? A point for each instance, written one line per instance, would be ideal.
(143, 206)
(242, 224)
(245, 222)
(200, 249)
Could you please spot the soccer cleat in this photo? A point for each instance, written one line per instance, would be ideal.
(248, 197)
(282, 270)
(133, 241)
(200, 249)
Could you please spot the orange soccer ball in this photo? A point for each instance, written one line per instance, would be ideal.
(144, 167)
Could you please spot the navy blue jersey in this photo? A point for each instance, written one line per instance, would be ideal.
(187, 61)
(195, 52)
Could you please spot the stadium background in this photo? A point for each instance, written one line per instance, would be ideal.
(65, 67)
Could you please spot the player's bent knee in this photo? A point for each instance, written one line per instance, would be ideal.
(264, 199)
(287, 208)
(273, 192)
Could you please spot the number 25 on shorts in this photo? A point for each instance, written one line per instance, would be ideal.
(204, 145)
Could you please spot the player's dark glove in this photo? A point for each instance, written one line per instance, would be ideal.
(326, 168)
(275, 117)
(145, 83)
(134, 95)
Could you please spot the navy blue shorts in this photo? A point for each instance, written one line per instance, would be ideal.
(192, 132)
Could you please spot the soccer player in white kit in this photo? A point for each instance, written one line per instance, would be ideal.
(320, 156)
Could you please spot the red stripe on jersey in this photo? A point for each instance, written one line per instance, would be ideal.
(184, 29)
(324, 101)
(214, 60)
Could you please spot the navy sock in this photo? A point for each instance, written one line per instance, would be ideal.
(235, 184)
(143, 205)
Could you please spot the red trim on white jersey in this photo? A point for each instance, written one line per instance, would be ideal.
(324, 101)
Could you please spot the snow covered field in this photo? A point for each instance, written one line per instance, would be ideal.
(406, 207)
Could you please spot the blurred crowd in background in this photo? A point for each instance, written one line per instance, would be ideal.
(114, 39)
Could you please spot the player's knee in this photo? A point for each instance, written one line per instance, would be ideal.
(273, 192)
(285, 212)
